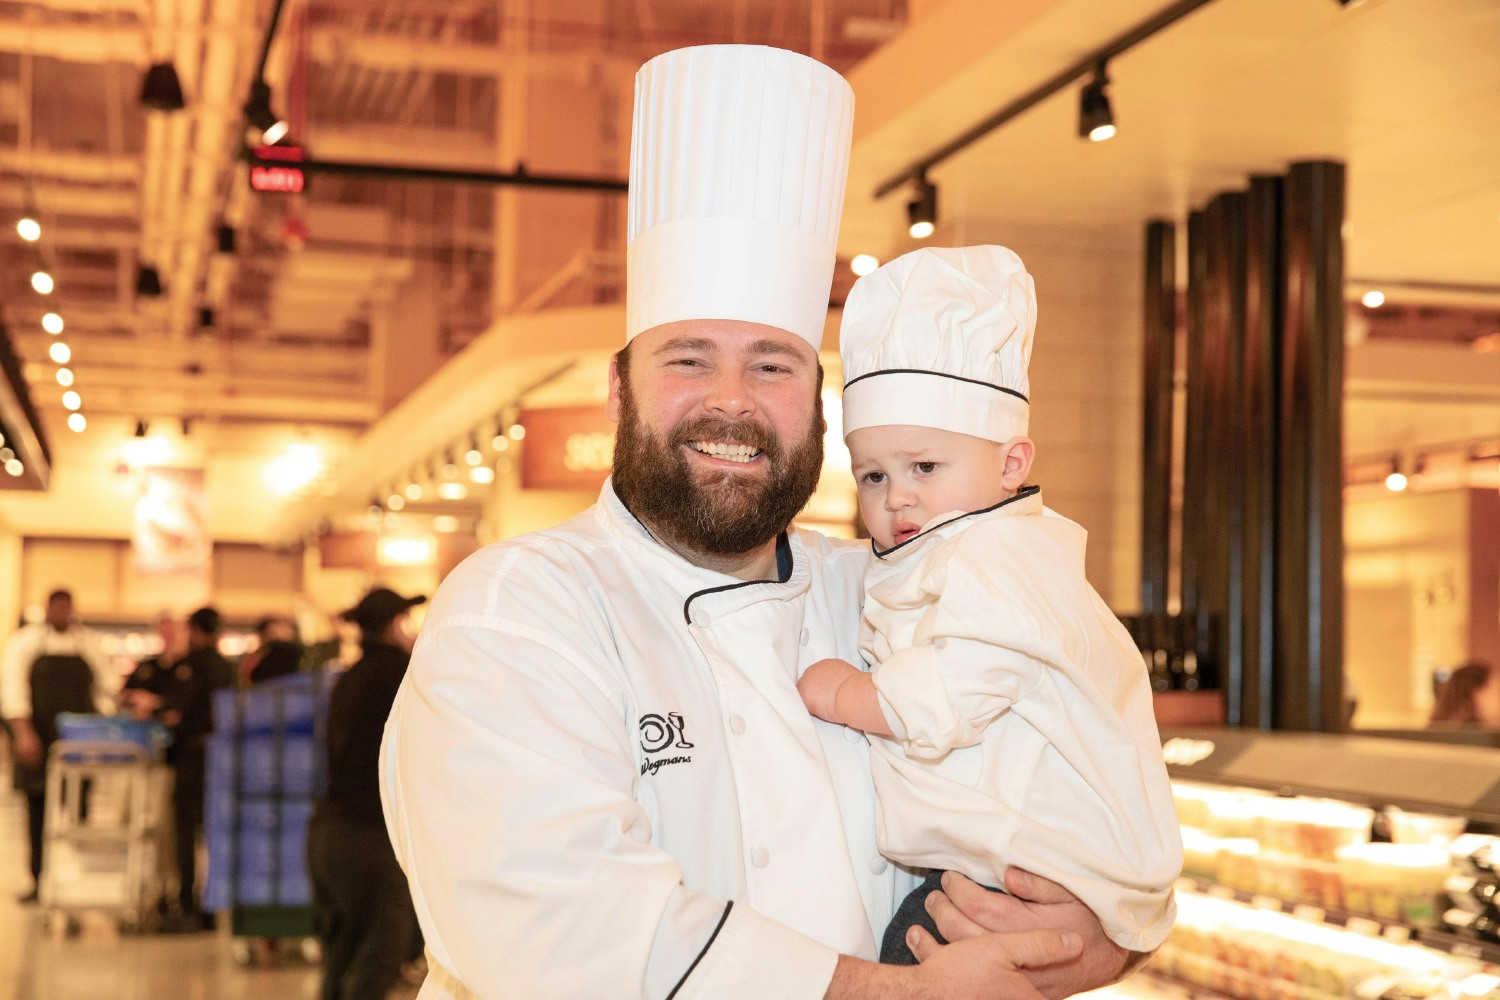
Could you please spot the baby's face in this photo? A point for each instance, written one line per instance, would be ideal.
(908, 475)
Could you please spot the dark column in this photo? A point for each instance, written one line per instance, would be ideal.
(1309, 572)
(1221, 604)
(1259, 411)
(1156, 428)
(1193, 479)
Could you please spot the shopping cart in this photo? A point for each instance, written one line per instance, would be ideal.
(265, 771)
(106, 836)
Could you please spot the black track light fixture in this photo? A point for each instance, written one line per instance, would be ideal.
(226, 238)
(258, 113)
(1096, 120)
(162, 90)
(140, 428)
(147, 282)
(921, 211)
(207, 321)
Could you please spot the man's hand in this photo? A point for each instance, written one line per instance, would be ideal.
(142, 704)
(28, 746)
(981, 968)
(819, 687)
(965, 910)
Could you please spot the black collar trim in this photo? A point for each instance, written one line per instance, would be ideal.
(1021, 494)
(923, 371)
(783, 574)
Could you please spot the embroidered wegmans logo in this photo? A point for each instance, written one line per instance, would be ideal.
(659, 733)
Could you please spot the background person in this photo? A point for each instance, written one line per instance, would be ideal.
(1471, 695)
(187, 711)
(51, 667)
(365, 915)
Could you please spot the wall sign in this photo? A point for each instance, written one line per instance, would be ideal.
(285, 176)
(566, 448)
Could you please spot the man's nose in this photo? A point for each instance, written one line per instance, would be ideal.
(729, 395)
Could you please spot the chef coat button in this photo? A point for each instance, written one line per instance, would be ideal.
(760, 857)
(852, 735)
(806, 635)
(878, 865)
(737, 724)
(940, 643)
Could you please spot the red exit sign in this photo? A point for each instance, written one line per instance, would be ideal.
(283, 176)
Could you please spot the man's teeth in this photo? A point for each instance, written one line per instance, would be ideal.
(728, 452)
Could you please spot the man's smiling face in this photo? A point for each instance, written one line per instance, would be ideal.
(721, 432)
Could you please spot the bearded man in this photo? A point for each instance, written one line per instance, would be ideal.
(598, 774)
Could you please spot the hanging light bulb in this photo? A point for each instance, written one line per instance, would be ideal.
(921, 211)
(71, 400)
(60, 353)
(42, 282)
(864, 263)
(29, 229)
(1395, 481)
(77, 422)
(65, 377)
(52, 323)
(161, 90)
(1096, 119)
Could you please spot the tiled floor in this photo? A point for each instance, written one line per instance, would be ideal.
(97, 964)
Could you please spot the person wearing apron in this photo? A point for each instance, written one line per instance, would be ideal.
(49, 668)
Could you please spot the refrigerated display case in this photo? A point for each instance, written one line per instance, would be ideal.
(1320, 867)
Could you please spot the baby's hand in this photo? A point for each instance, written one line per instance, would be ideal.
(820, 683)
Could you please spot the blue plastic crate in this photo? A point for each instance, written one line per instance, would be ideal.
(151, 735)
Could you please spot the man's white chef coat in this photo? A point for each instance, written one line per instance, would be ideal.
(601, 781)
(28, 643)
(1023, 720)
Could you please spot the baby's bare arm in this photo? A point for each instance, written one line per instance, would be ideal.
(836, 691)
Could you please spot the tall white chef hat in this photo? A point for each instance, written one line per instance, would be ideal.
(941, 338)
(738, 160)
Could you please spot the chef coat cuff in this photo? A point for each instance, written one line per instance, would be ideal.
(754, 956)
(915, 701)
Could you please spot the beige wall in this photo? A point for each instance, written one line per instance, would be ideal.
(1085, 386)
(1406, 575)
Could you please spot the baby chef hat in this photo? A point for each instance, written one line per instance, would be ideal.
(941, 338)
(738, 157)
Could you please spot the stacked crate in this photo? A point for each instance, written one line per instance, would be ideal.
(265, 771)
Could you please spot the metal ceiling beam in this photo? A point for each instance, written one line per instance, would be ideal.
(333, 45)
(76, 166)
(99, 43)
(516, 178)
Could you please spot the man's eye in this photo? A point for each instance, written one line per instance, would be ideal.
(770, 369)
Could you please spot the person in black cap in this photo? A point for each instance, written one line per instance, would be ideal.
(365, 915)
(186, 709)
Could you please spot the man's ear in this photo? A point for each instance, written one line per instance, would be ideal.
(1019, 453)
(613, 406)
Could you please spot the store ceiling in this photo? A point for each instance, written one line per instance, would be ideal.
(1406, 92)
(341, 301)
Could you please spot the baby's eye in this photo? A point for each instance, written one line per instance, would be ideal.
(873, 478)
(925, 468)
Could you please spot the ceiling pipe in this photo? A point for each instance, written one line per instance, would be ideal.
(214, 139)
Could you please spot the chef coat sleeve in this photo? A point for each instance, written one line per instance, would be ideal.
(15, 670)
(507, 775)
(960, 671)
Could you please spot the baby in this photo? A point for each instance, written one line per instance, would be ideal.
(1009, 711)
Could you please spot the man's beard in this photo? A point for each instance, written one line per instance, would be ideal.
(712, 512)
